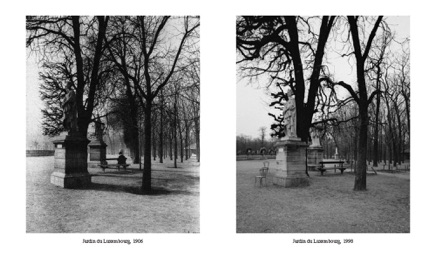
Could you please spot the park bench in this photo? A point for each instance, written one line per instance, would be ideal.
(323, 168)
(105, 165)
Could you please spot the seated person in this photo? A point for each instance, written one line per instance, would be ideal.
(121, 159)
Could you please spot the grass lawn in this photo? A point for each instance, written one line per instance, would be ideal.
(110, 204)
(328, 205)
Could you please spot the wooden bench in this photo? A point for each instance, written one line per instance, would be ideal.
(322, 168)
(113, 166)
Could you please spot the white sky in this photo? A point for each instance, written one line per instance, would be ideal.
(33, 101)
(252, 103)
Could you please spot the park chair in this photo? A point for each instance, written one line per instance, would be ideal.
(266, 164)
(263, 172)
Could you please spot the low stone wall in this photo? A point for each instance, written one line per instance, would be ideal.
(39, 153)
(254, 157)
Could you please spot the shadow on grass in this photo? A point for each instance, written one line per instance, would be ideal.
(155, 191)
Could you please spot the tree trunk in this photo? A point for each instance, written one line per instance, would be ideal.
(187, 142)
(197, 137)
(133, 129)
(165, 149)
(383, 145)
(406, 100)
(140, 146)
(393, 136)
(181, 147)
(170, 143)
(400, 134)
(175, 134)
(356, 131)
(154, 143)
(161, 132)
(389, 135)
(360, 180)
(146, 175)
(305, 110)
(135, 144)
(376, 132)
(181, 140)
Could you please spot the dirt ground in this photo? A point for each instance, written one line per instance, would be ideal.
(110, 204)
(328, 205)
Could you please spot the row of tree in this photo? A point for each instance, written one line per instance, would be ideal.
(259, 145)
(389, 126)
(175, 123)
(140, 72)
(292, 53)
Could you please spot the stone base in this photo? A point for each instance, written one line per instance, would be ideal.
(70, 164)
(291, 163)
(97, 153)
(64, 181)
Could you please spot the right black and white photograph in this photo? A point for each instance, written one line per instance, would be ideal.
(323, 124)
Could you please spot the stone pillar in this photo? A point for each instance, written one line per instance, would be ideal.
(291, 163)
(97, 153)
(70, 167)
(314, 156)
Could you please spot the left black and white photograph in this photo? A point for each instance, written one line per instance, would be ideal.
(112, 124)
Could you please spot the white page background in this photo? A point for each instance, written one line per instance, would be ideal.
(217, 241)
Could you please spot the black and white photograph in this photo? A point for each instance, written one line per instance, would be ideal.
(113, 124)
(323, 123)
(121, 106)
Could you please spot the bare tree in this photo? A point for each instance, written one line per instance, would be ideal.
(378, 62)
(77, 43)
(262, 131)
(157, 53)
(290, 51)
(361, 50)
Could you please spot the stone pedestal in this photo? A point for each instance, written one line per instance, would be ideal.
(70, 167)
(291, 163)
(314, 156)
(97, 153)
